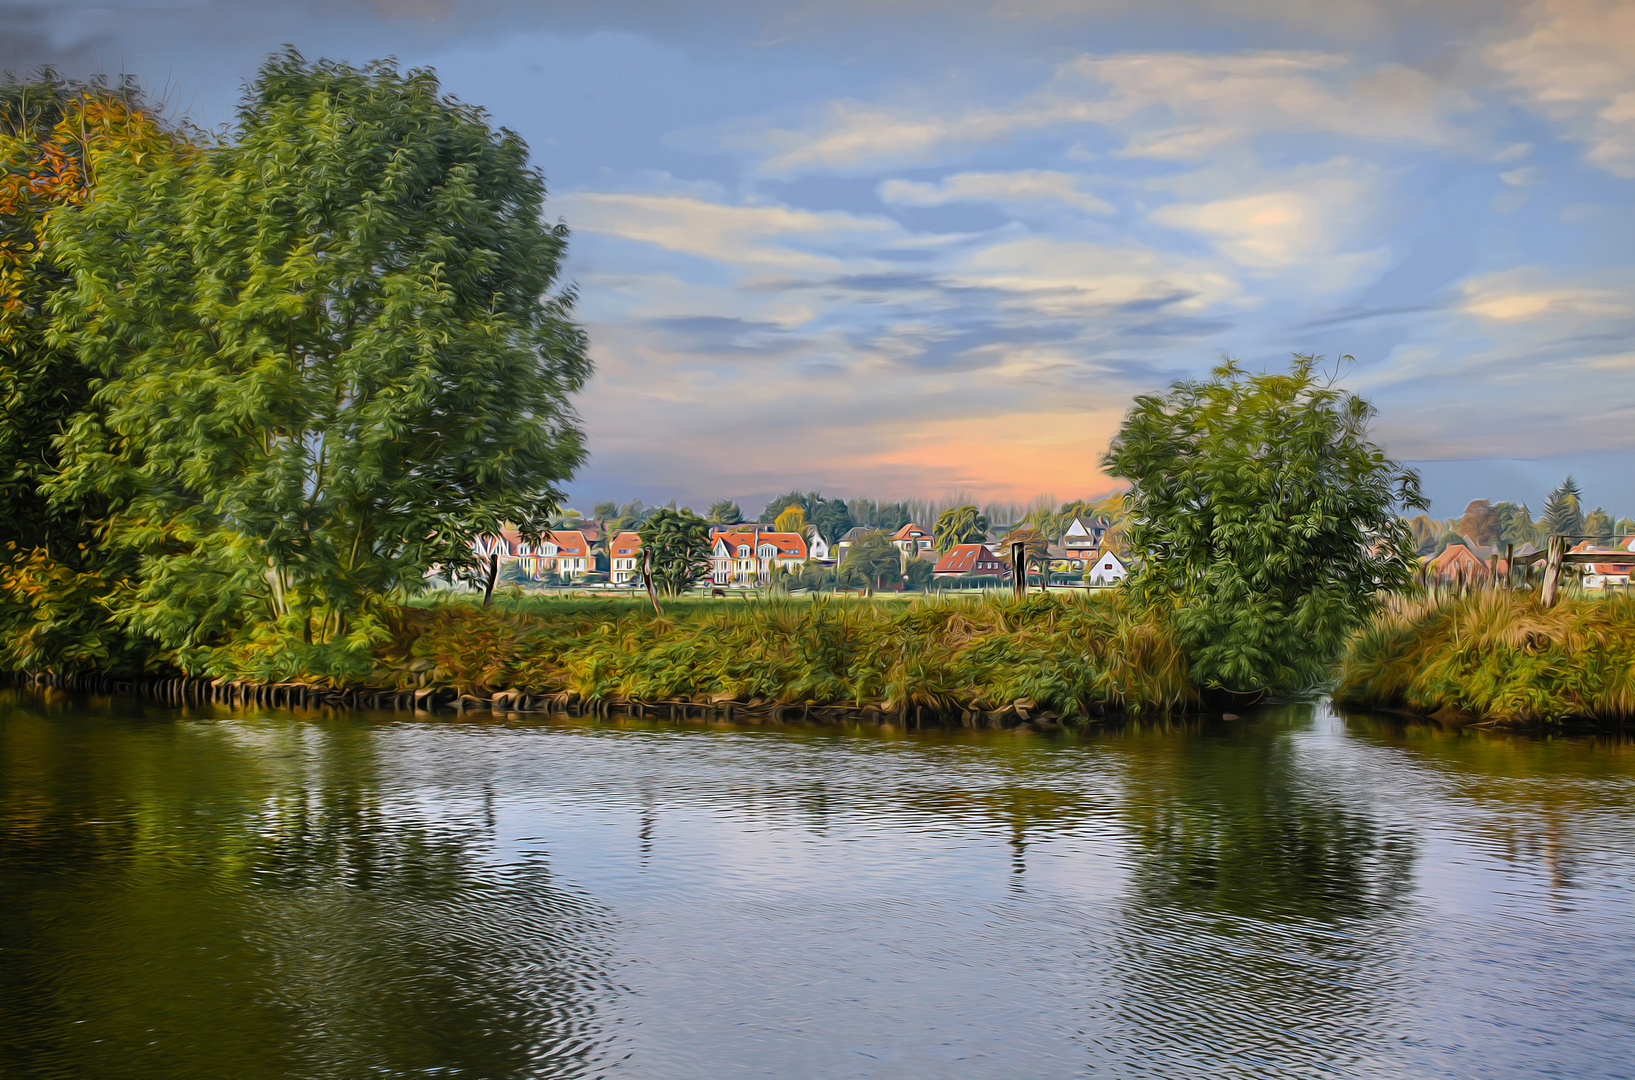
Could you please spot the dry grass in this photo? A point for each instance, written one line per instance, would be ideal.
(1075, 655)
(1496, 656)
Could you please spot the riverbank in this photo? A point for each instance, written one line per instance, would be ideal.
(1496, 657)
(984, 661)
(990, 661)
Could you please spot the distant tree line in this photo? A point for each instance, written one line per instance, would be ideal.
(1496, 524)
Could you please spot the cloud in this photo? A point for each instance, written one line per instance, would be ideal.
(1173, 105)
(1011, 188)
(1574, 64)
(1067, 278)
(1526, 295)
(1301, 220)
(760, 236)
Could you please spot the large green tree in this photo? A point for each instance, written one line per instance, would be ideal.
(1263, 521)
(1516, 524)
(331, 356)
(675, 549)
(832, 518)
(1563, 510)
(872, 560)
(959, 525)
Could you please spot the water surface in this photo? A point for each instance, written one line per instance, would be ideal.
(259, 895)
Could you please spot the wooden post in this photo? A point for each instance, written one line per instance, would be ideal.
(1510, 566)
(1552, 569)
(1019, 568)
(1493, 570)
(647, 576)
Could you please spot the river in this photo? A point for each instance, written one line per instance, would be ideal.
(213, 894)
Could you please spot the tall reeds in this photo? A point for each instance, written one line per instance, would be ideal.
(936, 657)
(1496, 655)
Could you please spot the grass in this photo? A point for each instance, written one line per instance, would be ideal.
(1496, 656)
(1074, 655)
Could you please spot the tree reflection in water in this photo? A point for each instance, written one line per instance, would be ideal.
(334, 929)
(1262, 927)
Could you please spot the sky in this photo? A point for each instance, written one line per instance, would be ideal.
(901, 249)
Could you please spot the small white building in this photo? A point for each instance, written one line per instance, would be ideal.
(1108, 569)
(816, 547)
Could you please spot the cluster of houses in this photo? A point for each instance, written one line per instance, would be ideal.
(745, 556)
(1474, 564)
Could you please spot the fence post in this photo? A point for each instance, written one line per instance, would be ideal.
(1019, 568)
(1552, 569)
(1510, 566)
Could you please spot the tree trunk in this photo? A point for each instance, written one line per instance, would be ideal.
(493, 575)
(647, 576)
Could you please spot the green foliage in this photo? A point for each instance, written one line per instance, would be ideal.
(791, 519)
(1516, 524)
(1263, 521)
(781, 503)
(959, 525)
(1598, 526)
(56, 138)
(872, 560)
(1496, 655)
(1563, 513)
(918, 573)
(832, 519)
(330, 358)
(887, 516)
(1079, 656)
(724, 512)
(678, 544)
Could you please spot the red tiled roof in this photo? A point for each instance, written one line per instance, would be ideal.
(570, 542)
(790, 545)
(969, 558)
(627, 543)
(910, 531)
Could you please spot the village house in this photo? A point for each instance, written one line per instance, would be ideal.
(1612, 574)
(847, 539)
(969, 559)
(747, 558)
(1106, 569)
(565, 552)
(912, 541)
(624, 558)
(1466, 562)
(1082, 541)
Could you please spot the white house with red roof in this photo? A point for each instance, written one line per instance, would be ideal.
(624, 554)
(1612, 574)
(969, 559)
(747, 557)
(564, 551)
(912, 540)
